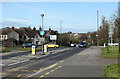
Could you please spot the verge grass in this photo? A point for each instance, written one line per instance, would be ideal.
(112, 71)
(113, 53)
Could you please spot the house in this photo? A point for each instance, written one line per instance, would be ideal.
(9, 37)
(4, 34)
(13, 37)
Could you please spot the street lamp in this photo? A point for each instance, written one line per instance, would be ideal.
(42, 15)
(60, 31)
(97, 26)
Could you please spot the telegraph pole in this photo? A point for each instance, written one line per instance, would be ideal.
(119, 24)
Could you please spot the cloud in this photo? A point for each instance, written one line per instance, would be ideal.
(17, 22)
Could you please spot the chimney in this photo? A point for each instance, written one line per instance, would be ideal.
(40, 28)
(49, 28)
(13, 28)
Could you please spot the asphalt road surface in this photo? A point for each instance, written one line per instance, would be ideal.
(38, 64)
(68, 64)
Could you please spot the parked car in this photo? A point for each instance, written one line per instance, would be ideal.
(82, 44)
(24, 45)
(52, 45)
(72, 44)
(34, 45)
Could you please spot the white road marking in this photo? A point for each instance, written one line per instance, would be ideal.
(13, 64)
(61, 61)
(18, 62)
(24, 61)
(2, 64)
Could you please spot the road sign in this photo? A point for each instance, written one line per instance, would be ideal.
(53, 37)
(33, 50)
(42, 32)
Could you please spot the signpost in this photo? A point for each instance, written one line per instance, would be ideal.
(33, 50)
(42, 33)
(53, 37)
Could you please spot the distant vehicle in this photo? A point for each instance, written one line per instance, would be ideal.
(82, 44)
(34, 45)
(52, 45)
(24, 45)
(72, 44)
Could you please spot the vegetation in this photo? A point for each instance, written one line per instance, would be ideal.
(29, 48)
(111, 71)
(6, 50)
(113, 53)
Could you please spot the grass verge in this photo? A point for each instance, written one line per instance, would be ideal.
(113, 53)
(5, 50)
(29, 48)
(111, 71)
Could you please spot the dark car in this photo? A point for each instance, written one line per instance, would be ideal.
(82, 44)
(24, 45)
(34, 45)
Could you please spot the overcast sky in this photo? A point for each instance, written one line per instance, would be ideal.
(79, 17)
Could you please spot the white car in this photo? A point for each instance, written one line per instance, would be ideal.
(72, 45)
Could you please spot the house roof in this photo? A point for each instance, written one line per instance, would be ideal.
(4, 32)
(29, 33)
(20, 32)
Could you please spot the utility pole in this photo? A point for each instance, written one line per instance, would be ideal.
(42, 15)
(97, 27)
(119, 24)
(60, 31)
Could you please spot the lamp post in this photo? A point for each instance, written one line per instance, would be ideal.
(42, 15)
(60, 31)
(97, 27)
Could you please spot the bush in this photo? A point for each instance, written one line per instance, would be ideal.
(101, 42)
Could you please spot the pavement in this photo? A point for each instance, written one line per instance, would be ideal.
(72, 62)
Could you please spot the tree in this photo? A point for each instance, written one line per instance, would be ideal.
(104, 30)
(54, 32)
(34, 28)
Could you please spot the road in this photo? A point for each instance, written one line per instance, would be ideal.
(35, 64)
(70, 63)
